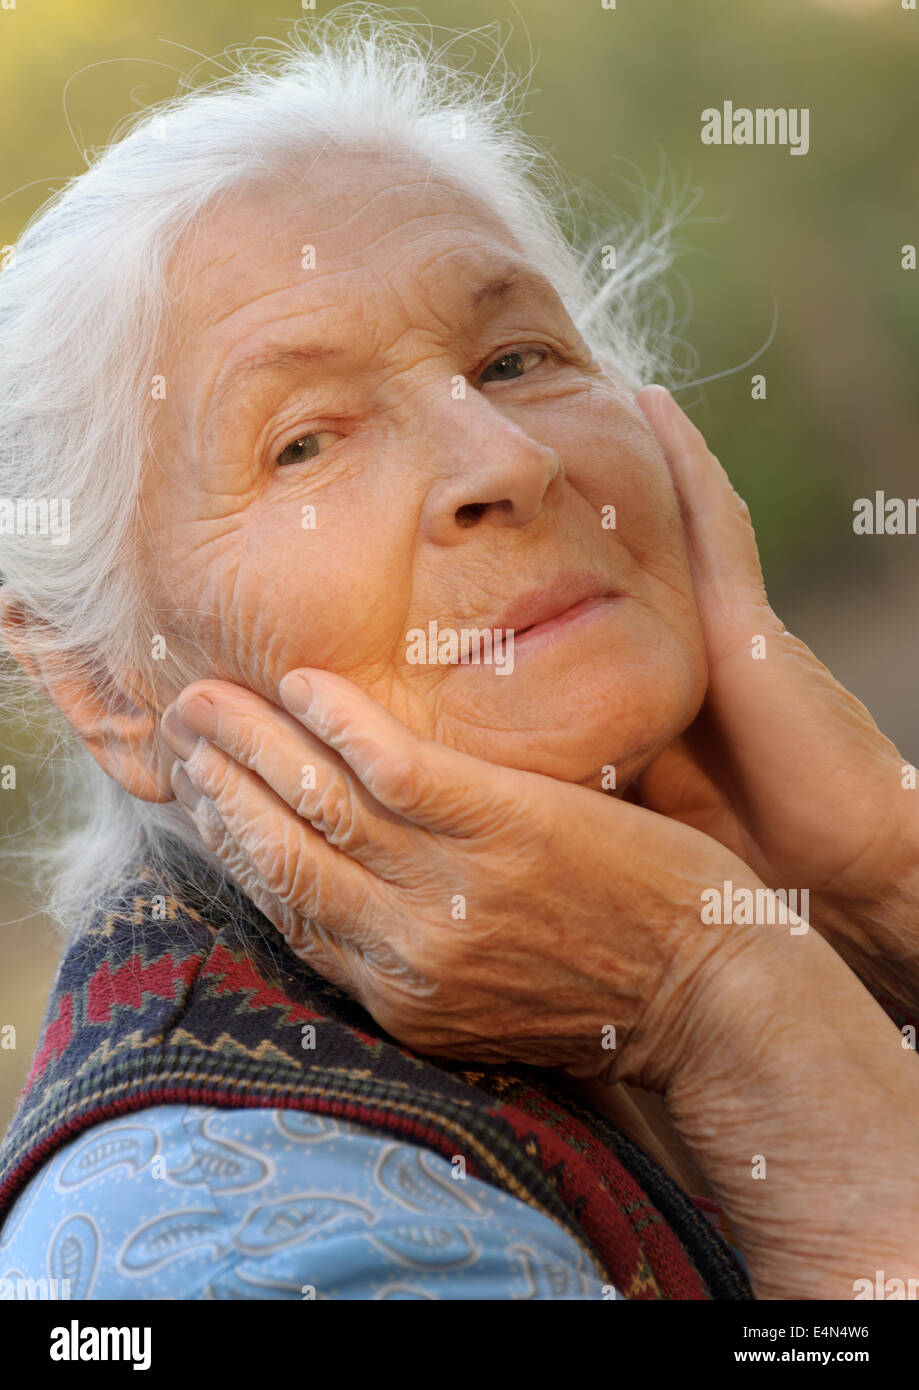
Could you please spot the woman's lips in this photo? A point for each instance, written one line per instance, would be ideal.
(546, 632)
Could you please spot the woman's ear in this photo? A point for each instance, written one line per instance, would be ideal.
(115, 715)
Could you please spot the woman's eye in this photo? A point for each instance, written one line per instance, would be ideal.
(510, 365)
(306, 447)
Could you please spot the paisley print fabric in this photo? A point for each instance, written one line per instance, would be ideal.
(192, 1202)
(192, 998)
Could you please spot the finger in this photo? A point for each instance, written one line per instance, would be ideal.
(445, 791)
(727, 573)
(684, 784)
(234, 809)
(764, 681)
(331, 956)
(311, 778)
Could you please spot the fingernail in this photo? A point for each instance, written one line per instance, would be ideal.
(296, 692)
(200, 713)
(178, 735)
(185, 790)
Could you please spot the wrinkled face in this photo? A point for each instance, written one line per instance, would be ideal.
(403, 427)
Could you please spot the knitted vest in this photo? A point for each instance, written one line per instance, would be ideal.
(163, 1001)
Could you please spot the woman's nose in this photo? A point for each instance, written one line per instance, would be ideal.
(504, 482)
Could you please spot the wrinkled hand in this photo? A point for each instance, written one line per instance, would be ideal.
(494, 915)
(475, 911)
(783, 765)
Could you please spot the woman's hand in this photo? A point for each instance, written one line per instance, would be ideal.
(783, 765)
(474, 910)
(484, 913)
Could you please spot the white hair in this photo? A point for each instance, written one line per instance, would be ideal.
(84, 303)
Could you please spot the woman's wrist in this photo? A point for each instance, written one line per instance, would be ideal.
(875, 925)
(799, 1103)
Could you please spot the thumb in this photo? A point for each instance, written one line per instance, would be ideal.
(727, 575)
(436, 787)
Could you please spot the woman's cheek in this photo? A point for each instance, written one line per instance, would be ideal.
(651, 527)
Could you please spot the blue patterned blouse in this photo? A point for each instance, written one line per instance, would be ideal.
(189, 1202)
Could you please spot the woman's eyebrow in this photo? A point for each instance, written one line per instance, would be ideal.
(267, 362)
(513, 282)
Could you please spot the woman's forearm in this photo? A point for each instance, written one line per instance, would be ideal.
(800, 1104)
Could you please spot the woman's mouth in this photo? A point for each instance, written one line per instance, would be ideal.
(545, 632)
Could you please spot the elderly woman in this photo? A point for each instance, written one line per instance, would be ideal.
(434, 699)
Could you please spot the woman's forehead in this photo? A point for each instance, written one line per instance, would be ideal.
(347, 211)
(380, 242)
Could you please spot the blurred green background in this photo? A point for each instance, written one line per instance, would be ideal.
(817, 235)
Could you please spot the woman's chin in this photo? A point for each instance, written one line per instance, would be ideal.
(596, 734)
